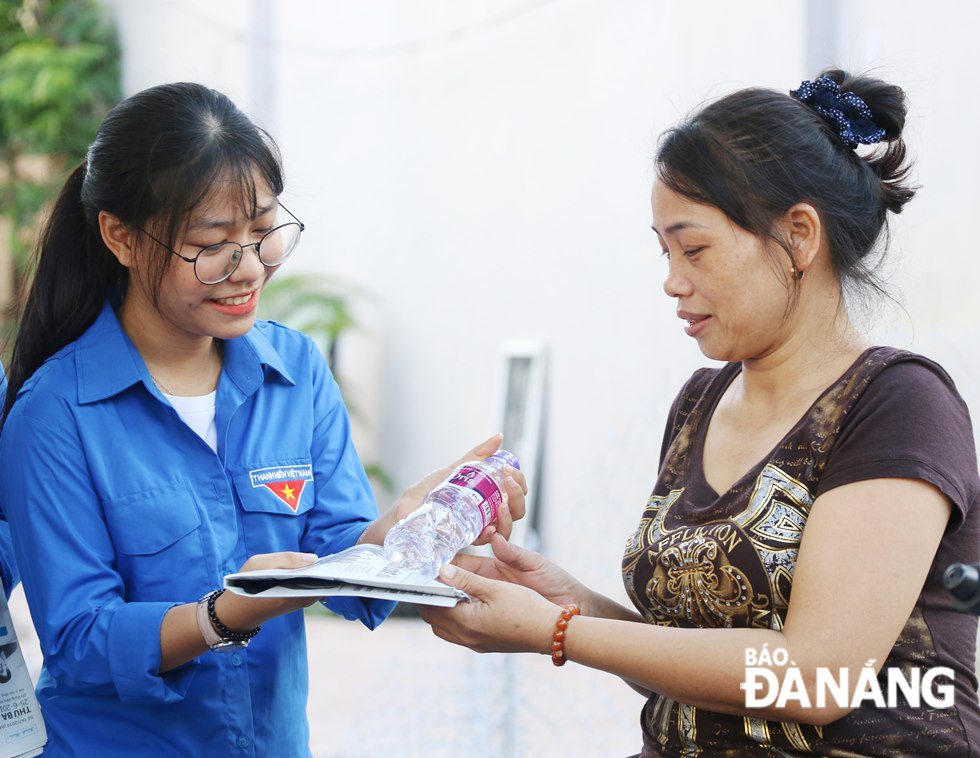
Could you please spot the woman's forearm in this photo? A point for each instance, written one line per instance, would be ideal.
(701, 667)
(705, 668)
(180, 637)
(601, 606)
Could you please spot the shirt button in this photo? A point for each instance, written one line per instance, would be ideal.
(236, 660)
(243, 741)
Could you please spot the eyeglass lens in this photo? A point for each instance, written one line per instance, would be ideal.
(218, 262)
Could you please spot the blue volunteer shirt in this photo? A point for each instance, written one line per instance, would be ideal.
(8, 567)
(121, 512)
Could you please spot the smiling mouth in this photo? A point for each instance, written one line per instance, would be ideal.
(235, 300)
(695, 320)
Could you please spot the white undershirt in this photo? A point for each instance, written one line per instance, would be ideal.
(198, 414)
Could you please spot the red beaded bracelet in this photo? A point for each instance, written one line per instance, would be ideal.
(558, 641)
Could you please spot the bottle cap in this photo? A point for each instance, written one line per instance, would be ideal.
(507, 457)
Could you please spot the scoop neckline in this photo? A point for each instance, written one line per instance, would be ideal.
(753, 472)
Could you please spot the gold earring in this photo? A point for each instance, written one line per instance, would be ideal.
(795, 272)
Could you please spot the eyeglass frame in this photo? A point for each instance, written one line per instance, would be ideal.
(256, 245)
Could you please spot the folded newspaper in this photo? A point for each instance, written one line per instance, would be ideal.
(361, 570)
(22, 733)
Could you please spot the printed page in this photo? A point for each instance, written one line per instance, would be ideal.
(368, 562)
(22, 733)
(360, 570)
(340, 589)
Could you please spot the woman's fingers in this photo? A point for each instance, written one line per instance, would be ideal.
(505, 523)
(518, 476)
(516, 488)
(477, 587)
(484, 537)
(284, 560)
(294, 560)
(485, 449)
(513, 555)
(472, 563)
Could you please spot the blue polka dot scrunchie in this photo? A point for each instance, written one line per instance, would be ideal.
(847, 112)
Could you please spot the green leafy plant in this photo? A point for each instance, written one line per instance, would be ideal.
(319, 307)
(59, 76)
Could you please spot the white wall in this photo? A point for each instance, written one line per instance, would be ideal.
(481, 170)
(932, 52)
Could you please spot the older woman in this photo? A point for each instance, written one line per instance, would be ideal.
(810, 492)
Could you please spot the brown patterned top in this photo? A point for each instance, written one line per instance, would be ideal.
(700, 559)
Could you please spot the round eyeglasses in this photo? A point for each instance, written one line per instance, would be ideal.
(215, 263)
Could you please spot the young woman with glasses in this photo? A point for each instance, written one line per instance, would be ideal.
(157, 438)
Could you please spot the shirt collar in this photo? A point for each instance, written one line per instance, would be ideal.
(108, 362)
(243, 355)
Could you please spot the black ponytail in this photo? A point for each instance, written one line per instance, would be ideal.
(72, 274)
(156, 157)
(889, 109)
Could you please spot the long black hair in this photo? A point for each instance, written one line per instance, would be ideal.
(155, 158)
(757, 152)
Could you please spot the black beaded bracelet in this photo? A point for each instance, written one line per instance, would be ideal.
(223, 630)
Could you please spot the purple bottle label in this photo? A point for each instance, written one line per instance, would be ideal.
(472, 478)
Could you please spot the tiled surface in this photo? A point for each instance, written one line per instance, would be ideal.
(401, 691)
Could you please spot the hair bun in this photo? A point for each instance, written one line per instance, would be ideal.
(888, 109)
(886, 101)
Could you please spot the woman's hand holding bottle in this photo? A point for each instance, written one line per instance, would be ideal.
(512, 509)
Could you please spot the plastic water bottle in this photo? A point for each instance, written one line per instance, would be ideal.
(451, 517)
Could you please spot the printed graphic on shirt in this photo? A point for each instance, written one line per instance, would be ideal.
(733, 572)
(728, 573)
(285, 482)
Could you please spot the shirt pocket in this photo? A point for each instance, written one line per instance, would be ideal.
(275, 496)
(159, 552)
